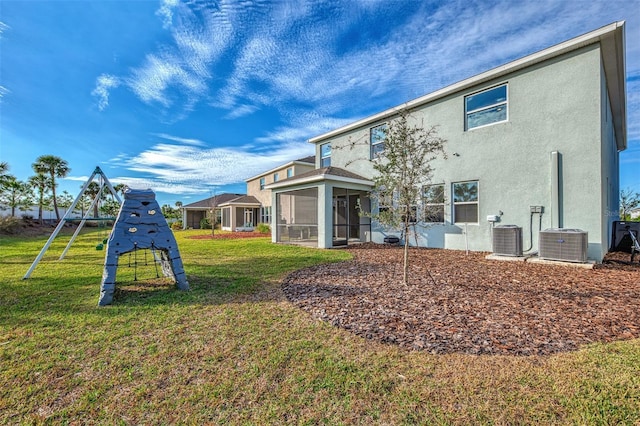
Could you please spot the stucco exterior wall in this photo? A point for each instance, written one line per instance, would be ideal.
(264, 195)
(552, 106)
(610, 183)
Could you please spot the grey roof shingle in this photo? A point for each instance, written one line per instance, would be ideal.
(327, 171)
(214, 201)
(310, 159)
(245, 199)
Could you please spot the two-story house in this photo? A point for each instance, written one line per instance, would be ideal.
(242, 212)
(533, 143)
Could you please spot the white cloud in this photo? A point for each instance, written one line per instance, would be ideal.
(104, 84)
(166, 12)
(307, 129)
(189, 169)
(186, 141)
(3, 92)
(241, 111)
(3, 28)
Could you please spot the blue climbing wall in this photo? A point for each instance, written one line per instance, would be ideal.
(140, 225)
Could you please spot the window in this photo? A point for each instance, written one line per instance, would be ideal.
(226, 217)
(487, 107)
(433, 203)
(262, 183)
(289, 172)
(413, 214)
(325, 155)
(465, 202)
(276, 177)
(265, 214)
(377, 135)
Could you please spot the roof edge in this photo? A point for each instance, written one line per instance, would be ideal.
(319, 178)
(290, 163)
(556, 50)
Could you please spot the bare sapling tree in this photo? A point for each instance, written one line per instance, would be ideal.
(403, 168)
(629, 200)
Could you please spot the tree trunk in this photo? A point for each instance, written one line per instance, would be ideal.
(55, 198)
(405, 271)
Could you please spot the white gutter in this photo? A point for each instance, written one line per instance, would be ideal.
(318, 178)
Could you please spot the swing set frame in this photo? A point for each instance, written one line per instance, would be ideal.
(104, 182)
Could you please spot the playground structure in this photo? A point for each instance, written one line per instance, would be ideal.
(625, 238)
(141, 225)
(103, 182)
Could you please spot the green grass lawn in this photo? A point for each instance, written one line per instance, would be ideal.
(233, 350)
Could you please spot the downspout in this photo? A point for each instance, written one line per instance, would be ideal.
(556, 189)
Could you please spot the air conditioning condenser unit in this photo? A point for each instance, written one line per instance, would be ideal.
(507, 240)
(568, 245)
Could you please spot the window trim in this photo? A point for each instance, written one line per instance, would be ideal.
(276, 176)
(325, 157)
(460, 203)
(372, 146)
(486, 107)
(426, 204)
(289, 172)
(265, 214)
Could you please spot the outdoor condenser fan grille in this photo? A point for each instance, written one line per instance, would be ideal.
(507, 240)
(569, 245)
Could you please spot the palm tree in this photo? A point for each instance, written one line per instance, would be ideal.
(54, 167)
(41, 183)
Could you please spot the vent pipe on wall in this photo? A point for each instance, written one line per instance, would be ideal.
(556, 189)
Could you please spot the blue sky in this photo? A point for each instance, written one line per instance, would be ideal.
(191, 98)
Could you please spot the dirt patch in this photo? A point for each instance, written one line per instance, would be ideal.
(230, 236)
(465, 303)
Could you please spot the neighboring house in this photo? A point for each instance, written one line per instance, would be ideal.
(634, 214)
(242, 212)
(533, 143)
(193, 213)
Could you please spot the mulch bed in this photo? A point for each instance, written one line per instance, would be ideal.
(230, 236)
(467, 304)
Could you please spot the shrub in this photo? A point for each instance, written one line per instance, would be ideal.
(204, 223)
(263, 228)
(177, 225)
(10, 225)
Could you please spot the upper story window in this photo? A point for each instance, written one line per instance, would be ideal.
(325, 155)
(377, 136)
(289, 172)
(465, 202)
(276, 177)
(433, 203)
(486, 107)
(263, 182)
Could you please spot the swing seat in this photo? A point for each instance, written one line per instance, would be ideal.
(99, 246)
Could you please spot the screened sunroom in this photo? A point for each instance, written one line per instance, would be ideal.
(321, 208)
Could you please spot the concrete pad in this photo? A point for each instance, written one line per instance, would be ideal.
(536, 259)
(506, 258)
(588, 265)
